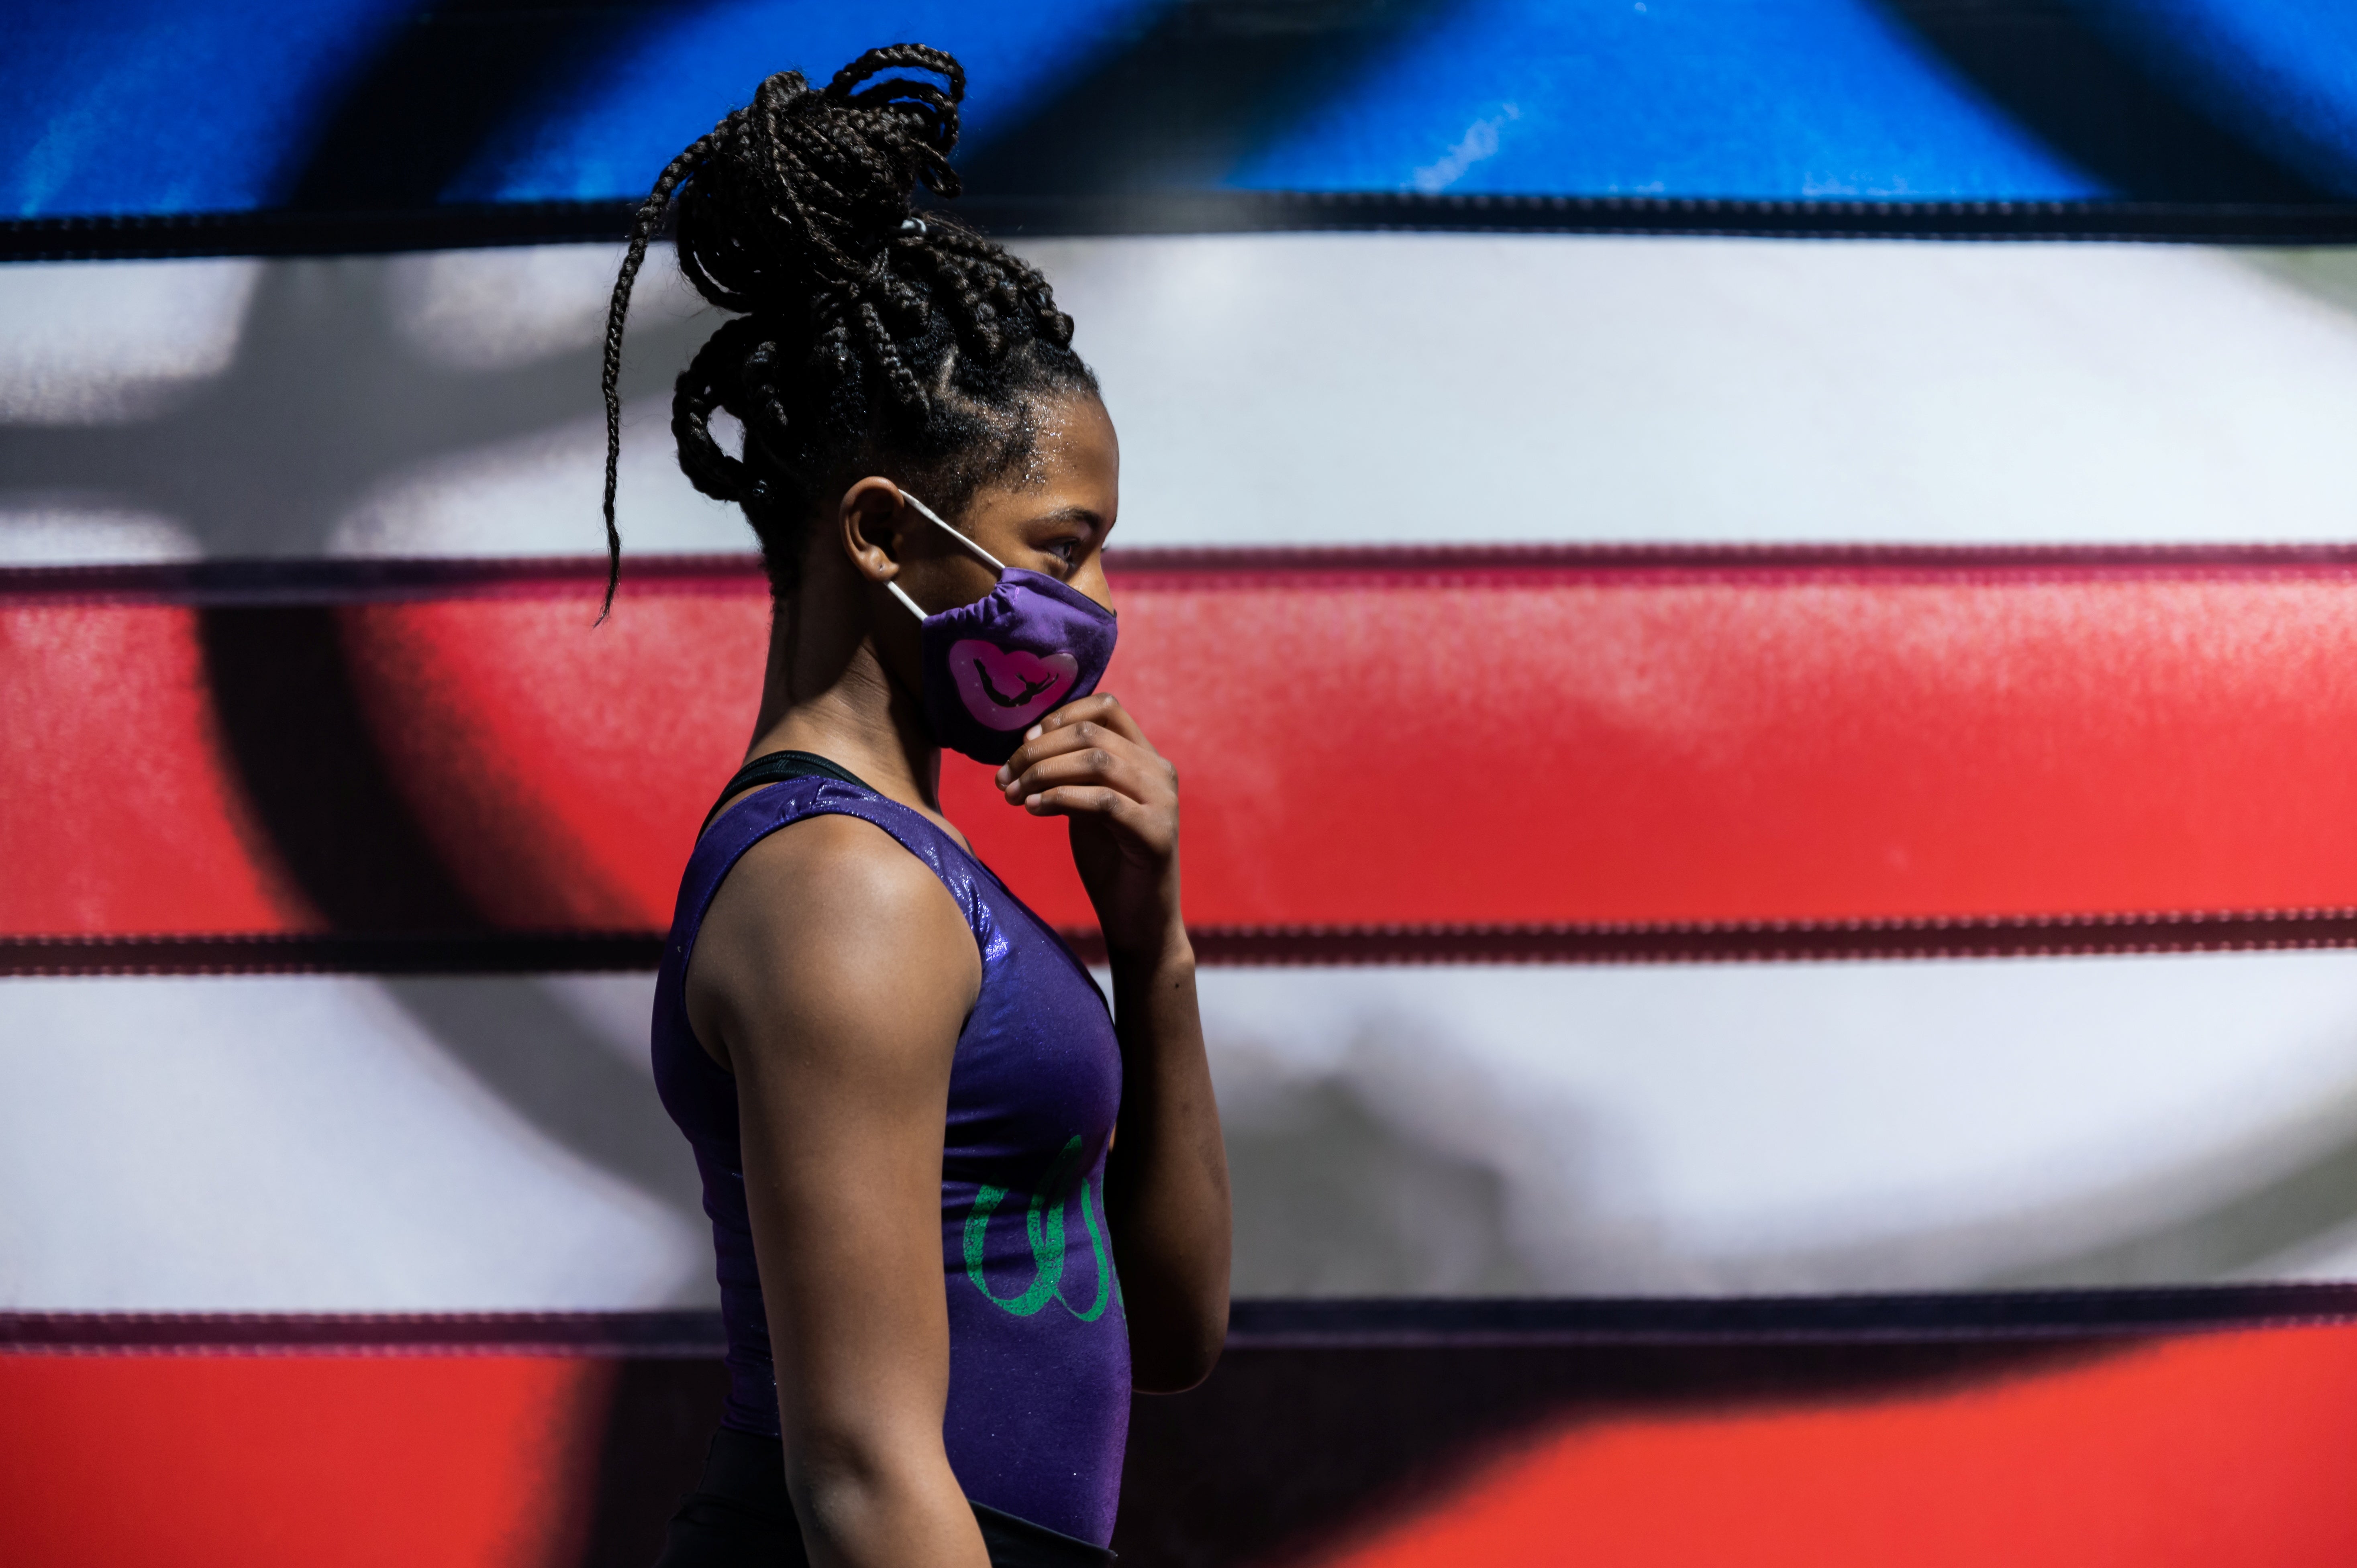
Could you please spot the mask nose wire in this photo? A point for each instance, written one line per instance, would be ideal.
(969, 546)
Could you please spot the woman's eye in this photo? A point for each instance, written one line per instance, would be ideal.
(1068, 551)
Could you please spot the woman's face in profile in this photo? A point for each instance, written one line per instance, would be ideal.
(1053, 513)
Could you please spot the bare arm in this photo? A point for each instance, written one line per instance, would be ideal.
(1167, 1179)
(832, 974)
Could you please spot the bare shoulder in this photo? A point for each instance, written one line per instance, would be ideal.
(829, 869)
(826, 924)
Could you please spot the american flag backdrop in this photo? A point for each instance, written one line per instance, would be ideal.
(1757, 600)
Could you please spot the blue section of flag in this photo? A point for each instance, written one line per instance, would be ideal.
(131, 106)
(2282, 72)
(121, 106)
(609, 135)
(1773, 99)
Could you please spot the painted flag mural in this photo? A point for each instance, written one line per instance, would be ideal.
(1757, 600)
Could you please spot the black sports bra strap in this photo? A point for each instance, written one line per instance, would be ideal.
(776, 767)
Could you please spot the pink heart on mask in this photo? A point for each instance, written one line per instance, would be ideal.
(1006, 688)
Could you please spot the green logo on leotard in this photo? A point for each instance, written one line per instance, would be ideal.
(1043, 1225)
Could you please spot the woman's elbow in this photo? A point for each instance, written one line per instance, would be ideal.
(1173, 1355)
(859, 1492)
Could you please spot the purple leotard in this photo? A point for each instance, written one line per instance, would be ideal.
(1038, 1396)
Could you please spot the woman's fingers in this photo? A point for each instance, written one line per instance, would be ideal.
(1080, 723)
(1090, 800)
(1112, 763)
(1153, 831)
(1084, 737)
(1101, 707)
(1089, 759)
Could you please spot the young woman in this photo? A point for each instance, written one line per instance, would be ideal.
(942, 1274)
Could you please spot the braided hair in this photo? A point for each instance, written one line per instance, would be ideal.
(863, 334)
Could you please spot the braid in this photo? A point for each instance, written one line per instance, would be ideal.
(867, 338)
(888, 355)
(643, 225)
(711, 380)
(910, 57)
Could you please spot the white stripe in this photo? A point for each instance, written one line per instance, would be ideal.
(89, 343)
(433, 404)
(1818, 1127)
(1269, 389)
(340, 1143)
(337, 1144)
(1333, 389)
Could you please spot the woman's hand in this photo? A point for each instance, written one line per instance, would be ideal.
(1090, 762)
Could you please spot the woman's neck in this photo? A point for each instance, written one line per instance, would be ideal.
(824, 691)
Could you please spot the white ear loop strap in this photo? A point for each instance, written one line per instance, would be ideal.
(969, 546)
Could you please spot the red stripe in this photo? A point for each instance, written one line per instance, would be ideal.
(1557, 743)
(2216, 1448)
(194, 1462)
(117, 813)
(2231, 1449)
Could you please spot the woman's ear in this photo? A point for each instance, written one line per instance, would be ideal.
(870, 522)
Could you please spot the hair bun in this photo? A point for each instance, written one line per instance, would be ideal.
(856, 324)
(802, 191)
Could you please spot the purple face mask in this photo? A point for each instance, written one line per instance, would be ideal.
(995, 667)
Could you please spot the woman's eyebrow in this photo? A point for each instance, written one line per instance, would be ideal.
(1072, 514)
